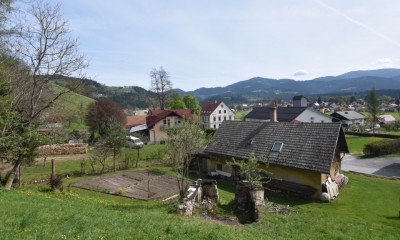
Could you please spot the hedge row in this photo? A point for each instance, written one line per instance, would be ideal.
(382, 147)
(381, 135)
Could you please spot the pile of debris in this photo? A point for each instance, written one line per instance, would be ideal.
(203, 192)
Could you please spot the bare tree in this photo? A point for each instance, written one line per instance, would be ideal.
(183, 142)
(160, 85)
(40, 52)
(44, 44)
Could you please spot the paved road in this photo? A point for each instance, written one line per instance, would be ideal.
(381, 166)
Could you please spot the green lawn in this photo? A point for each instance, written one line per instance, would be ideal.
(367, 208)
(356, 143)
(239, 115)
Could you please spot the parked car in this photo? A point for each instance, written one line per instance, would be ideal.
(134, 142)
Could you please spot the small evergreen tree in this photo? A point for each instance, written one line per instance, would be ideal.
(373, 107)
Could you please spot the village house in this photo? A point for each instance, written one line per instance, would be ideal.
(349, 118)
(214, 113)
(137, 124)
(160, 120)
(300, 156)
(386, 119)
(288, 114)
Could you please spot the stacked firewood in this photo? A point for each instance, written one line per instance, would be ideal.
(63, 149)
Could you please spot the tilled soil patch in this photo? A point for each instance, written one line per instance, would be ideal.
(140, 185)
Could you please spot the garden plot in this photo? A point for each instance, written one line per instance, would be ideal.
(140, 185)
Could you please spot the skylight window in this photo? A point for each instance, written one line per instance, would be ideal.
(277, 147)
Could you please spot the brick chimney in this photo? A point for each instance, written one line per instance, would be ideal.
(273, 116)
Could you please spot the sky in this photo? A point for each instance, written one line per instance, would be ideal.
(211, 43)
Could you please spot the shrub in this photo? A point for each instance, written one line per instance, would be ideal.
(382, 147)
(56, 183)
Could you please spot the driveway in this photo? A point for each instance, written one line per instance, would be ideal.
(381, 166)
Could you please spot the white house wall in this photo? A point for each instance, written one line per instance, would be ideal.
(220, 114)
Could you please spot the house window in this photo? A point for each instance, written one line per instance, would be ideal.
(215, 119)
(219, 167)
(219, 119)
(230, 118)
(165, 121)
(219, 111)
(224, 111)
(224, 118)
(277, 147)
(215, 126)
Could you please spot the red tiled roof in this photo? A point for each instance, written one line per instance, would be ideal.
(208, 107)
(135, 120)
(158, 115)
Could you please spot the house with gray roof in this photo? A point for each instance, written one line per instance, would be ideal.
(300, 156)
(288, 114)
(349, 117)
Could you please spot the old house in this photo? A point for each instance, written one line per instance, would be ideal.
(214, 113)
(160, 120)
(301, 156)
(137, 124)
(349, 117)
(288, 114)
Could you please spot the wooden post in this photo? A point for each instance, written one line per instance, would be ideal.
(19, 175)
(138, 156)
(53, 169)
(148, 185)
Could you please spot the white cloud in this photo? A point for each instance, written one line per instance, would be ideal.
(301, 72)
(384, 63)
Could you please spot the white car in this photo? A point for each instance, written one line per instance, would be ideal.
(134, 142)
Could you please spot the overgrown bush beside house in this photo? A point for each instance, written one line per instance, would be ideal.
(382, 148)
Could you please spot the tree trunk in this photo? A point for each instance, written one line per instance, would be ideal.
(115, 169)
(11, 175)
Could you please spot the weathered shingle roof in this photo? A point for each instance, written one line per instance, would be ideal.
(158, 115)
(208, 107)
(348, 115)
(308, 146)
(135, 120)
(284, 114)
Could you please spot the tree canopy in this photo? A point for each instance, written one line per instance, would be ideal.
(101, 113)
(175, 101)
(192, 104)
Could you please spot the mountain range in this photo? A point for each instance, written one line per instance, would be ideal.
(259, 89)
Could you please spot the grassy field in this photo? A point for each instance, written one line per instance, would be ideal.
(77, 165)
(357, 143)
(367, 208)
(239, 115)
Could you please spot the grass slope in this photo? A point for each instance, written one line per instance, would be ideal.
(367, 208)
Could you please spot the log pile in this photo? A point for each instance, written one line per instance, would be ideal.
(63, 149)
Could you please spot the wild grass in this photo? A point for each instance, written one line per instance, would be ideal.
(367, 208)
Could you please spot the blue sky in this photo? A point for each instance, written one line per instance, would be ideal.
(212, 43)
